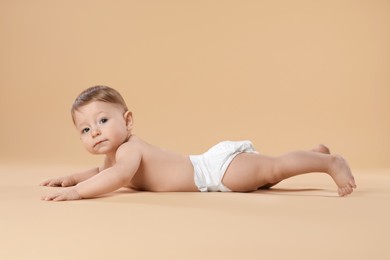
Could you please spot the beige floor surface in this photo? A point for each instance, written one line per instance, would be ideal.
(301, 218)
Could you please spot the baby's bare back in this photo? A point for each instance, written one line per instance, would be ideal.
(162, 170)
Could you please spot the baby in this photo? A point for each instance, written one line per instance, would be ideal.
(105, 126)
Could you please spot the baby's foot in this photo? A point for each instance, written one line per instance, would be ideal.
(321, 149)
(342, 176)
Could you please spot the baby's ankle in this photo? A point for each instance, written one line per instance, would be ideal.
(334, 164)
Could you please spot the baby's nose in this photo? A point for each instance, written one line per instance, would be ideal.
(95, 132)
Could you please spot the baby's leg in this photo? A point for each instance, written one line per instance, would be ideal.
(248, 172)
(319, 149)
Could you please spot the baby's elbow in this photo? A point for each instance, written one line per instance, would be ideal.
(124, 180)
(123, 174)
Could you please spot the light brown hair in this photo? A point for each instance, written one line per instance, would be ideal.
(98, 93)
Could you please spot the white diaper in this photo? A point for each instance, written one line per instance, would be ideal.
(210, 167)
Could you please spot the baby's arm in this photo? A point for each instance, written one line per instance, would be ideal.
(71, 180)
(127, 159)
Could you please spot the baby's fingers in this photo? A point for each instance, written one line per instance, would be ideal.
(51, 196)
(45, 183)
(64, 194)
(67, 183)
(61, 197)
(54, 183)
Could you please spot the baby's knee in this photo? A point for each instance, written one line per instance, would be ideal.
(275, 171)
(266, 169)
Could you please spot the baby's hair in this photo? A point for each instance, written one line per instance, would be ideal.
(98, 93)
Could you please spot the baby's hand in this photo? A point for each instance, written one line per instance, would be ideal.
(65, 181)
(63, 194)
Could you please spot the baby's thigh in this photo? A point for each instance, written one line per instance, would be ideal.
(247, 172)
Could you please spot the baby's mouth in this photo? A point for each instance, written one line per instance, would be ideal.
(97, 143)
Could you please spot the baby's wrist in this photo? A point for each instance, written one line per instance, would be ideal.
(76, 189)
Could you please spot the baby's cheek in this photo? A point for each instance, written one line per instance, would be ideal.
(88, 147)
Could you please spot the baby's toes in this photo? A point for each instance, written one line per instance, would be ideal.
(343, 191)
(349, 189)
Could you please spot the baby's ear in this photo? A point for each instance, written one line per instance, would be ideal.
(128, 116)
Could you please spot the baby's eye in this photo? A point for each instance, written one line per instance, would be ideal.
(85, 130)
(103, 120)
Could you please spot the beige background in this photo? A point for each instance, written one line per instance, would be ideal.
(284, 74)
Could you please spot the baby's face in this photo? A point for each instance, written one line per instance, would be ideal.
(102, 127)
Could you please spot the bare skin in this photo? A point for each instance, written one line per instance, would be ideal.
(137, 165)
(249, 172)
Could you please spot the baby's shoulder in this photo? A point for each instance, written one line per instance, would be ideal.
(132, 148)
(133, 144)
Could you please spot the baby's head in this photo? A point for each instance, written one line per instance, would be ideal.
(102, 118)
(98, 93)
